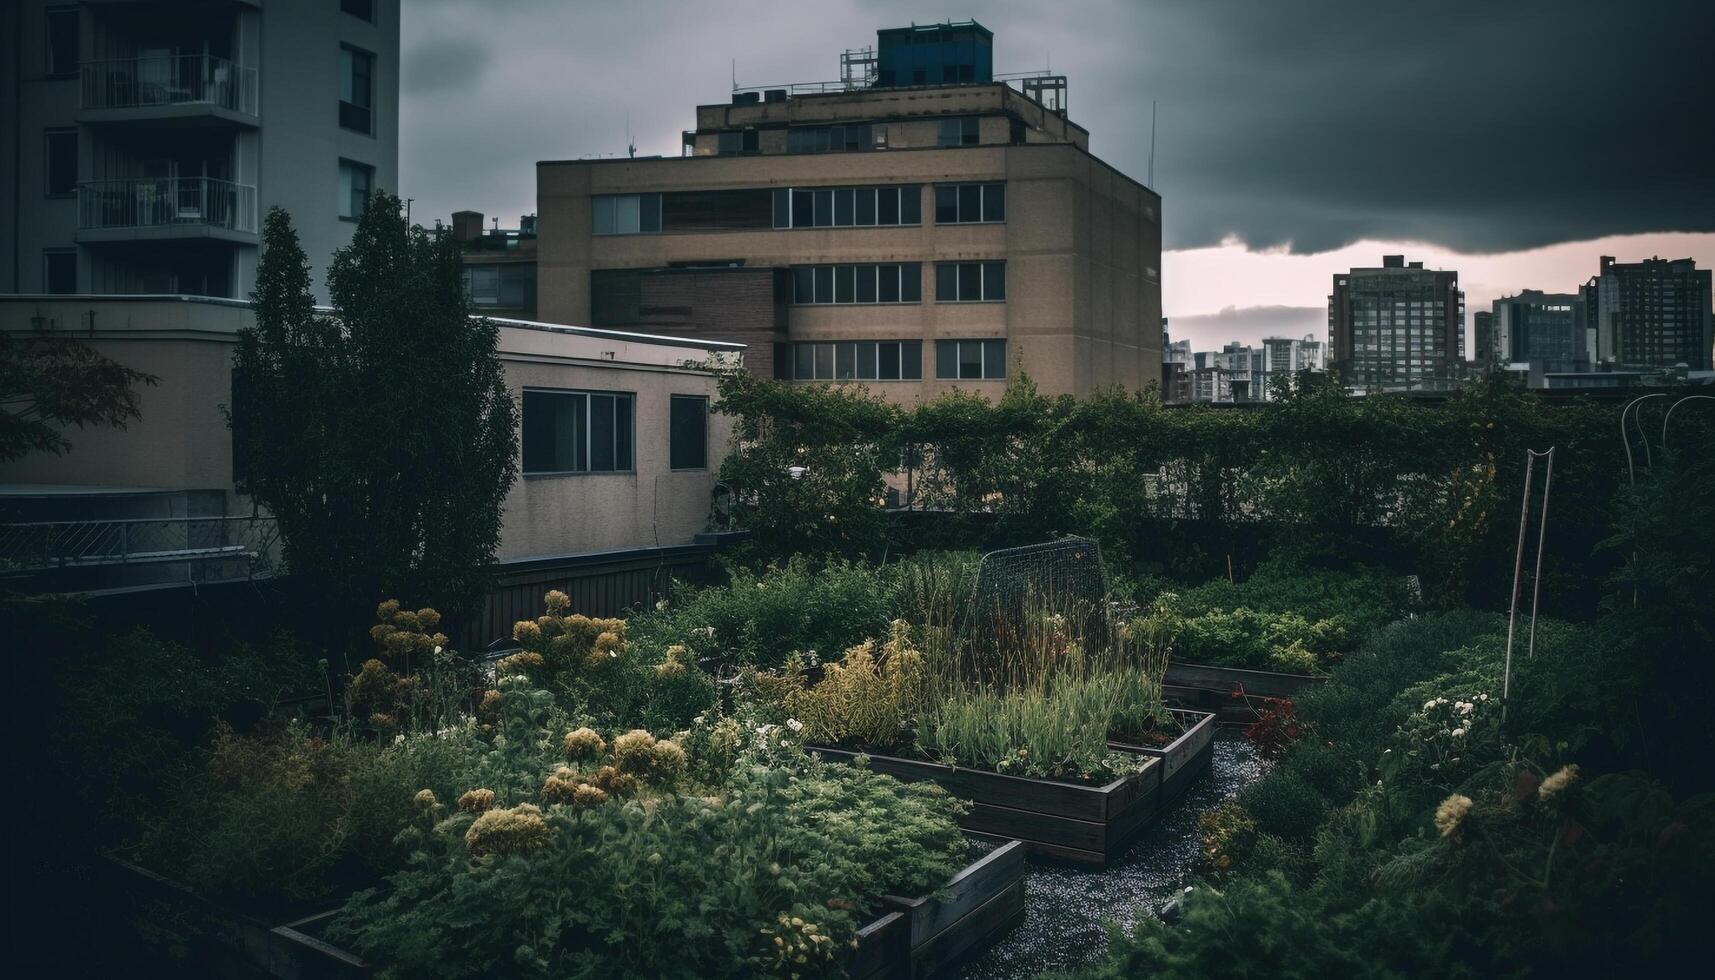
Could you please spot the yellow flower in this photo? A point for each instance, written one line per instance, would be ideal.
(477, 801)
(557, 602)
(1552, 786)
(518, 830)
(583, 743)
(425, 799)
(1451, 814)
(525, 631)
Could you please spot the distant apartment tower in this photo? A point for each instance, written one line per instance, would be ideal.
(1653, 313)
(1397, 325)
(1483, 339)
(151, 137)
(499, 265)
(1175, 368)
(916, 226)
(1544, 330)
(1287, 357)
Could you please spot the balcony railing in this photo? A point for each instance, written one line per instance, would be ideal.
(245, 545)
(191, 79)
(151, 202)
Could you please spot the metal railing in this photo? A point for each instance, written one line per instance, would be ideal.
(148, 202)
(247, 544)
(191, 79)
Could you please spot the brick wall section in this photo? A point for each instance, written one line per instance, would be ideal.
(735, 305)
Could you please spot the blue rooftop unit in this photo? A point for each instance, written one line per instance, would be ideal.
(934, 54)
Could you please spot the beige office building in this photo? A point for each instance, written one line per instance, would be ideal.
(917, 227)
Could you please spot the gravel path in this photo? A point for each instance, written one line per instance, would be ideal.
(1065, 907)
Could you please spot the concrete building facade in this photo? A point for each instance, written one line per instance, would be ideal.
(912, 238)
(1396, 325)
(619, 448)
(148, 139)
(1652, 313)
(1543, 330)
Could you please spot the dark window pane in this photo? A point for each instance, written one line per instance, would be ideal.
(553, 431)
(994, 358)
(865, 206)
(803, 284)
(946, 282)
(968, 130)
(62, 42)
(911, 204)
(866, 360)
(60, 150)
(728, 144)
(949, 134)
(649, 213)
(843, 206)
(845, 278)
(845, 366)
(752, 141)
(713, 210)
(824, 208)
(803, 209)
(824, 361)
(994, 202)
(782, 362)
(824, 283)
(782, 208)
(888, 278)
(601, 434)
(970, 280)
(911, 360)
(911, 282)
(804, 362)
(946, 358)
(970, 359)
(59, 272)
(601, 214)
(866, 284)
(970, 202)
(622, 432)
(688, 432)
(887, 206)
(946, 203)
(889, 369)
(994, 280)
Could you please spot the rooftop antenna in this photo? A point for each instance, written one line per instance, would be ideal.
(630, 147)
(1152, 144)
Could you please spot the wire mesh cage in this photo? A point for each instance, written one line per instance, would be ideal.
(1016, 589)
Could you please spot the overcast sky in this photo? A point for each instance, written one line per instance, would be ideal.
(1512, 140)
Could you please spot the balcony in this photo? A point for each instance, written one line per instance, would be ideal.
(194, 89)
(150, 208)
(104, 555)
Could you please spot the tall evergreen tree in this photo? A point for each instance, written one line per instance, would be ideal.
(381, 435)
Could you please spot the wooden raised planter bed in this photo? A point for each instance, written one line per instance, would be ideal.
(912, 937)
(1183, 759)
(1085, 824)
(1214, 689)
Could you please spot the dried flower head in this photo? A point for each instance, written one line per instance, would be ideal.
(525, 631)
(490, 702)
(669, 762)
(583, 743)
(634, 752)
(522, 662)
(1555, 784)
(518, 830)
(613, 782)
(1451, 814)
(586, 795)
(477, 801)
(557, 602)
(425, 799)
(560, 787)
(387, 610)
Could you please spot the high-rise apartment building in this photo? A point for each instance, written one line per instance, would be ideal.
(1544, 330)
(149, 138)
(1396, 325)
(915, 227)
(1285, 357)
(1653, 313)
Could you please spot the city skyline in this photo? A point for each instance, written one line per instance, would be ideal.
(1247, 227)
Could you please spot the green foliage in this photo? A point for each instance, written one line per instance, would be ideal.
(685, 886)
(381, 436)
(50, 381)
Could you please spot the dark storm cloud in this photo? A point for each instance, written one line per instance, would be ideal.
(1476, 124)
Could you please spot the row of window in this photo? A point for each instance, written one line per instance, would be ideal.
(595, 431)
(955, 282)
(953, 131)
(794, 207)
(889, 360)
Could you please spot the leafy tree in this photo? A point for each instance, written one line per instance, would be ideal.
(381, 435)
(48, 381)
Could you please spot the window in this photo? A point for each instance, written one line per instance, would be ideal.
(861, 360)
(577, 431)
(59, 270)
(626, 214)
(59, 162)
(970, 282)
(884, 283)
(958, 131)
(829, 139)
(356, 89)
(969, 203)
(847, 207)
(356, 180)
(62, 42)
(713, 210)
(733, 144)
(361, 9)
(688, 432)
(970, 359)
(506, 285)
